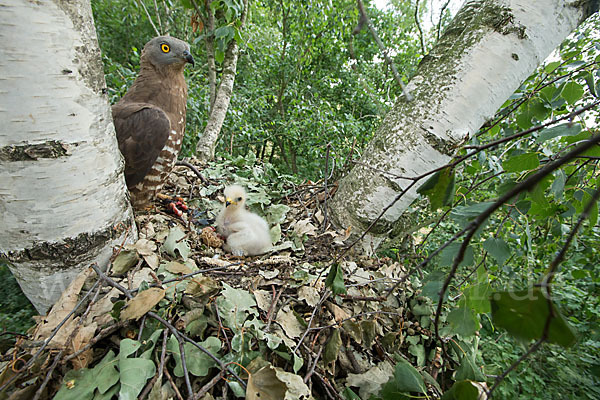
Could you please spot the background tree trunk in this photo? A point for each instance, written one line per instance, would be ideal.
(219, 102)
(487, 51)
(63, 198)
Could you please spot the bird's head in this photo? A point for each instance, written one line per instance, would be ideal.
(167, 51)
(235, 197)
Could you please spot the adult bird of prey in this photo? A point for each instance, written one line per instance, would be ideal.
(150, 118)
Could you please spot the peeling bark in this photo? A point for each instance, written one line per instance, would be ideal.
(63, 198)
(488, 50)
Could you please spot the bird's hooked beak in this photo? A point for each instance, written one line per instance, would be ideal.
(188, 57)
(229, 201)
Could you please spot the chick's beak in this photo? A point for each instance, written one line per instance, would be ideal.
(188, 57)
(228, 202)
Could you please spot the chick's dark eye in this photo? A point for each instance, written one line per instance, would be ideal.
(165, 48)
(239, 199)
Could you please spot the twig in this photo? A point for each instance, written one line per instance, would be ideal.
(47, 341)
(419, 27)
(439, 25)
(173, 330)
(481, 218)
(311, 370)
(271, 312)
(194, 169)
(222, 327)
(149, 17)
(312, 317)
(173, 385)
(209, 385)
(159, 371)
(384, 52)
(324, 225)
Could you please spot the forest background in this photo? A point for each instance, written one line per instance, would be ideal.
(308, 87)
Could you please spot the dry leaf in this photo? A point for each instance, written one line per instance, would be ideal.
(288, 321)
(82, 338)
(338, 313)
(175, 267)
(67, 301)
(309, 294)
(142, 303)
(263, 299)
(305, 227)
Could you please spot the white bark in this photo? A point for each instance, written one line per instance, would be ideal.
(205, 149)
(63, 199)
(490, 48)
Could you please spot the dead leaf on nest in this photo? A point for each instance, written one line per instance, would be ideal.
(273, 383)
(309, 294)
(338, 313)
(288, 321)
(175, 267)
(82, 338)
(263, 299)
(67, 301)
(142, 303)
(305, 227)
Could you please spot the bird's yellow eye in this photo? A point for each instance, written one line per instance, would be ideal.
(165, 48)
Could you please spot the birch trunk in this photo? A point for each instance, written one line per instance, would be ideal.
(63, 198)
(219, 102)
(205, 149)
(488, 50)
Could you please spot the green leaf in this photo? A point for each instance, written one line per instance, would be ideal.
(465, 214)
(106, 374)
(335, 279)
(477, 296)
(439, 188)
(235, 306)
(77, 385)
(348, 394)
(498, 249)
(463, 390)
(405, 379)
(134, 372)
(448, 255)
(276, 214)
(572, 92)
(175, 243)
(198, 362)
(558, 186)
(558, 131)
(468, 369)
(589, 80)
(432, 285)
(80, 384)
(551, 66)
(524, 313)
(522, 162)
(332, 349)
(463, 321)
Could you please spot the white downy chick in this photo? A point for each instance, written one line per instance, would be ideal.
(246, 233)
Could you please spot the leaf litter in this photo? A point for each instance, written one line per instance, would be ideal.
(295, 323)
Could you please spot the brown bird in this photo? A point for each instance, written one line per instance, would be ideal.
(150, 118)
(246, 233)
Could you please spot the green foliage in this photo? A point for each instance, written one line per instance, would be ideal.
(496, 293)
(15, 310)
(298, 90)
